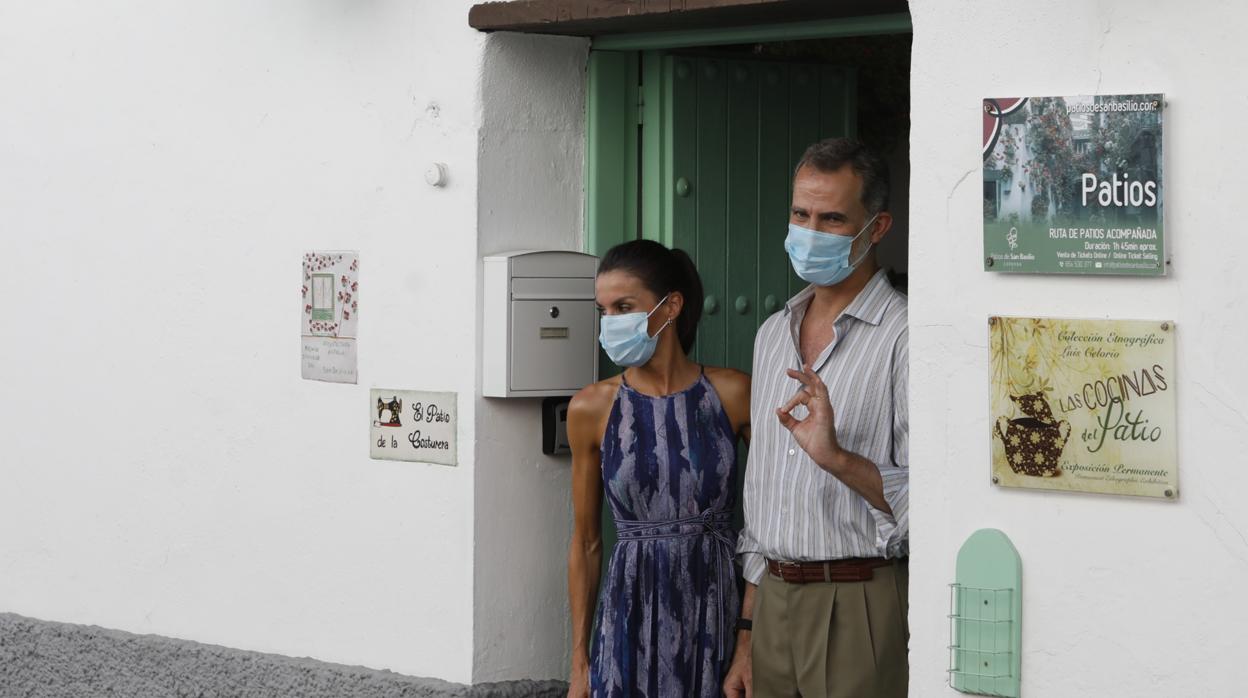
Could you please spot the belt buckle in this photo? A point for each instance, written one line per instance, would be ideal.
(784, 566)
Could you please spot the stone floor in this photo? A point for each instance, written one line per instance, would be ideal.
(40, 659)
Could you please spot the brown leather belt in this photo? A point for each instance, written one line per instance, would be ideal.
(852, 569)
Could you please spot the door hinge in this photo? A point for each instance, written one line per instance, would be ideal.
(641, 108)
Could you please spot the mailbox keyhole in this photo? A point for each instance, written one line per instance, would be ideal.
(554, 311)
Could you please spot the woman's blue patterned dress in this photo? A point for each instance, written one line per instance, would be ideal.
(669, 599)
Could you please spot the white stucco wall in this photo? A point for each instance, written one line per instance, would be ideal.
(531, 197)
(1122, 597)
(164, 468)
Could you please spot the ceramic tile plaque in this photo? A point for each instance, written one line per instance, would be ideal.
(1073, 185)
(1084, 405)
(331, 304)
(413, 425)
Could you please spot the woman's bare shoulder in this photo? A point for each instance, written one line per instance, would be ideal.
(728, 379)
(733, 387)
(595, 398)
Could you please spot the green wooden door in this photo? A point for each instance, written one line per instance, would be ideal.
(734, 131)
(698, 152)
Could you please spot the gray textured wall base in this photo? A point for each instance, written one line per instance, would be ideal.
(39, 659)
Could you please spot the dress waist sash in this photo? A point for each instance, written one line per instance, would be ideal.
(715, 523)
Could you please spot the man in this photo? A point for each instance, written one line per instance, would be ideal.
(827, 483)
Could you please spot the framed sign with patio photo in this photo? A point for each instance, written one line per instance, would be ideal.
(1073, 185)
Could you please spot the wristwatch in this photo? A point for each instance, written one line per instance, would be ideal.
(745, 624)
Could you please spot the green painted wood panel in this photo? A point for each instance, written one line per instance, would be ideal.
(803, 127)
(774, 183)
(711, 134)
(611, 165)
(611, 149)
(655, 187)
(838, 114)
(742, 224)
(680, 154)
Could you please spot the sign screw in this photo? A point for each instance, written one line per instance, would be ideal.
(990, 261)
(996, 480)
(1169, 493)
(992, 320)
(1165, 327)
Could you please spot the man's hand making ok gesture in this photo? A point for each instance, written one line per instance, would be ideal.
(816, 434)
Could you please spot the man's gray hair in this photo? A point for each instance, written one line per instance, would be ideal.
(831, 154)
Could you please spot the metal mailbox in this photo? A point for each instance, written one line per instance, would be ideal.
(540, 325)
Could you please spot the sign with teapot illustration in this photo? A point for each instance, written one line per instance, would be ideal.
(1084, 405)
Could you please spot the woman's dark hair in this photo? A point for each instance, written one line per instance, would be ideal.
(662, 271)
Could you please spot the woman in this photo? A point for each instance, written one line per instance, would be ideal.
(661, 439)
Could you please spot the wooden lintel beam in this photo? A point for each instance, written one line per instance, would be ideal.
(597, 17)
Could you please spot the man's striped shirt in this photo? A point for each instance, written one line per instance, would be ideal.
(794, 510)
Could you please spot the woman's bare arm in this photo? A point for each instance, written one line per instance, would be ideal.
(587, 414)
(733, 387)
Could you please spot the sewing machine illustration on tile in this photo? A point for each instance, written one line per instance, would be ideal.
(394, 406)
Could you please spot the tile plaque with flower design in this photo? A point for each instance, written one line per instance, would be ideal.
(1084, 405)
(331, 290)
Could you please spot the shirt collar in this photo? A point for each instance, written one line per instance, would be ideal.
(869, 305)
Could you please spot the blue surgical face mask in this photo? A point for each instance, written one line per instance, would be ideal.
(626, 338)
(823, 258)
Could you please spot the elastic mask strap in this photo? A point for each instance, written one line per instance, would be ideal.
(868, 250)
(657, 306)
(664, 327)
(669, 320)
